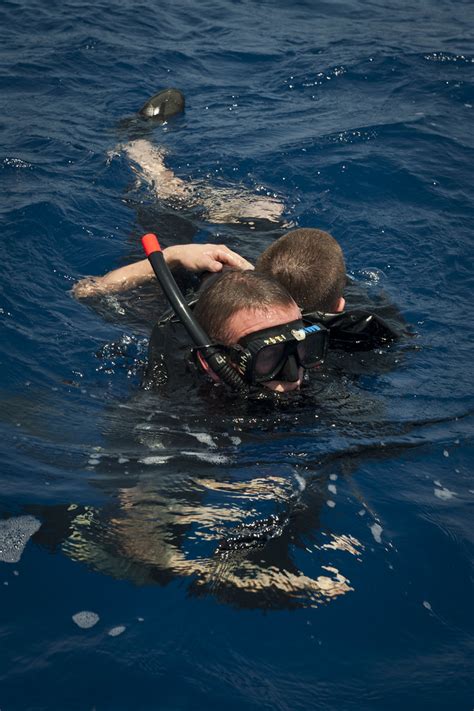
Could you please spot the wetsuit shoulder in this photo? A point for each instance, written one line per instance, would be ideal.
(356, 329)
(169, 349)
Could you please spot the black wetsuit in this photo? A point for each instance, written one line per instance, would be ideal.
(368, 323)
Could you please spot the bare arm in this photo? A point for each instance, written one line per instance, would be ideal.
(193, 257)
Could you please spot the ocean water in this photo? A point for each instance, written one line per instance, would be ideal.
(178, 550)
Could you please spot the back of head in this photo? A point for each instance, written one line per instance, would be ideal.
(233, 291)
(310, 265)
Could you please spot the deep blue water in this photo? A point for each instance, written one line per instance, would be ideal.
(359, 116)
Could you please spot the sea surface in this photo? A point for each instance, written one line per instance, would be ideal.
(180, 549)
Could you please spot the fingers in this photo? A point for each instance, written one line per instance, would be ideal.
(84, 288)
(204, 257)
(225, 256)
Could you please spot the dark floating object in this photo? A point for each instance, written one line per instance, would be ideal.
(163, 105)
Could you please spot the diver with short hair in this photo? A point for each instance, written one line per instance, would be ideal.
(261, 329)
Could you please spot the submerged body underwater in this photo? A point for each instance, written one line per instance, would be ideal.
(173, 548)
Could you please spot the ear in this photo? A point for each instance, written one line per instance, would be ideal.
(340, 305)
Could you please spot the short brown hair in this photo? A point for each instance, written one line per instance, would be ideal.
(233, 291)
(310, 264)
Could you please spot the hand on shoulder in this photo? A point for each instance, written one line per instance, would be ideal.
(204, 257)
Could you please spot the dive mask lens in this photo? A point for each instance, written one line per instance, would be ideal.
(311, 345)
(268, 360)
(312, 351)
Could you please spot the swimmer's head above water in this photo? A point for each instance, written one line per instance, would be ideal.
(310, 265)
(260, 329)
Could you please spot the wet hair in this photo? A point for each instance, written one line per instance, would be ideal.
(310, 265)
(233, 291)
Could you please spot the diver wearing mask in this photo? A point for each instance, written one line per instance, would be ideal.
(247, 330)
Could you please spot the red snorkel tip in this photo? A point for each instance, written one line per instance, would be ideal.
(150, 244)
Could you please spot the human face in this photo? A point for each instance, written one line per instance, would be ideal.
(248, 321)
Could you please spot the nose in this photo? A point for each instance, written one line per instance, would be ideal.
(280, 386)
(289, 373)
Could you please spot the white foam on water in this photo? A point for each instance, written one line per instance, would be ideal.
(114, 304)
(235, 440)
(85, 619)
(123, 460)
(445, 453)
(362, 512)
(154, 442)
(300, 481)
(154, 460)
(330, 503)
(436, 482)
(427, 605)
(332, 488)
(14, 535)
(377, 529)
(207, 457)
(444, 494)
(205, 438)
(333, 477)
(19, 163)
(115, 631)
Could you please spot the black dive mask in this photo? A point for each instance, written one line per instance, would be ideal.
(277, 353)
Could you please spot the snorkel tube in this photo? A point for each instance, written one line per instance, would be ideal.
(211, 354)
